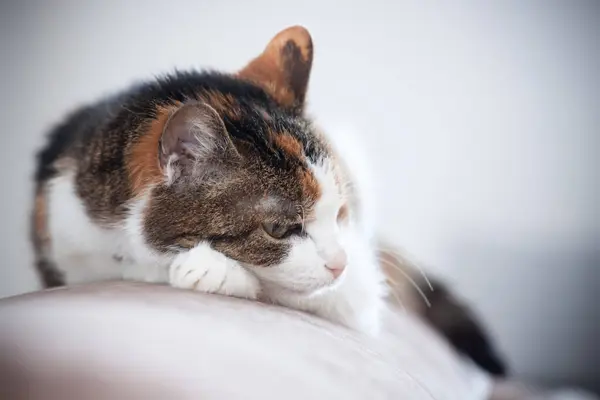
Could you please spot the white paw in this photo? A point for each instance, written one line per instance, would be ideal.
(209, 271)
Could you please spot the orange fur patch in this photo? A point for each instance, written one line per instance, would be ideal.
(265, 71)
(310, 186)
(41, 235)
(271, 69)
(289, 144)
(143, 161)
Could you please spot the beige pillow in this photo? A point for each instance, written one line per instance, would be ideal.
(130, 341)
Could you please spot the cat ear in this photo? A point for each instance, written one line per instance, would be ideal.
(283, 68)
(194, 140)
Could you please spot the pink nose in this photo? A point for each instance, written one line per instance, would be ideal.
(337, 263)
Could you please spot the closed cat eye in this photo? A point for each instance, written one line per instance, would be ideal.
(280, 231)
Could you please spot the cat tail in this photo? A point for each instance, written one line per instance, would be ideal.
(40, 238)
(438, 307)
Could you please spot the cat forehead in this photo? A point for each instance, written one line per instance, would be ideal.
(319, 203)
(278, 192)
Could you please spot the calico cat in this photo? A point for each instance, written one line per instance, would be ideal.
(213, 182)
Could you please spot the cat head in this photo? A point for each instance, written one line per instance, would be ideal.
(242, 167)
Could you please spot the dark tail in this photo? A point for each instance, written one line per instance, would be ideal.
(49, 275)
(445, 313)
(457, 323)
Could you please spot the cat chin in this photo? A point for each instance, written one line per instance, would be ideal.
(328, 288)
(339, 302)
(276, 290)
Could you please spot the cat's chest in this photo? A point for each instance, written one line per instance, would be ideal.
(84, 251)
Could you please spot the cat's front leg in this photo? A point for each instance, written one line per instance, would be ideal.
(206, 270)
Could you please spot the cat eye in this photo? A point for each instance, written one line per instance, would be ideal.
(281, 231)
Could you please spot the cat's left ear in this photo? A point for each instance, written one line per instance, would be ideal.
(195, 141)
(283, 68)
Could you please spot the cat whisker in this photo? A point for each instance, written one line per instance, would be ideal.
(396, 295)
(417, 266)
(407, 276)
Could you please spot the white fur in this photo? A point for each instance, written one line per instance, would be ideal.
(350, 148)
(209, 271)
(85, 252)
(80, 248)
(145, 264)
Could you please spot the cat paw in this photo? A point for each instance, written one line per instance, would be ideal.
(206, 270)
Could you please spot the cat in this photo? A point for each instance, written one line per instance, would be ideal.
(218, 183)
(214, 182)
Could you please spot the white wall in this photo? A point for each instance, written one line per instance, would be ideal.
(483, 121)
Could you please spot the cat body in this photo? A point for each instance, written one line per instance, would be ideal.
(213, 182)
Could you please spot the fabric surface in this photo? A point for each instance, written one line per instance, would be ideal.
(512, 390)
(126, 340)
(136, 341)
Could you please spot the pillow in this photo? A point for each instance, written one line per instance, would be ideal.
(128, 340)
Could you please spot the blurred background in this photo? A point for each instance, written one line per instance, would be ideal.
(482, 121)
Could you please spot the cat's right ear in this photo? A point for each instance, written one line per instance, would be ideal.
(283, 68)
(194, 141)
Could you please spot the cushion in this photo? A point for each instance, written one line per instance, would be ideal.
(128, 340)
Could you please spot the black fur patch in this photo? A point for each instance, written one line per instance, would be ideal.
(458, 324)
(49, 275)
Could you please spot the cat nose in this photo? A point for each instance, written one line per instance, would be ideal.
(337, 263)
